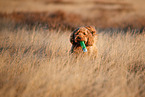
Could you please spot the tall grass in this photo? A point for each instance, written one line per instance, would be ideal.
(36, 63)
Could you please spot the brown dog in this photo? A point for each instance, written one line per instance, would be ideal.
(86, 34)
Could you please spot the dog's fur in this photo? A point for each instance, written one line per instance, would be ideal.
(86, 34)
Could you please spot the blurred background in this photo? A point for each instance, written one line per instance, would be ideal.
(69, 14)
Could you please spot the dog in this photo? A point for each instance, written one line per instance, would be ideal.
(86, 34)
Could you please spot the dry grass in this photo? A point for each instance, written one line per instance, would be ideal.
(68, 21)
(56, 20)
(100, 13)
(36, 63)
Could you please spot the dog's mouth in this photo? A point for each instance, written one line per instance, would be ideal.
(78, 39)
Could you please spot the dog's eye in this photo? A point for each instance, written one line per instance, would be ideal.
(85, 33)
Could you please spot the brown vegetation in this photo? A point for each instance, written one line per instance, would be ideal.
(55, 20)
(36, 63)
(62, 20)
(67, 14)
(34, 48)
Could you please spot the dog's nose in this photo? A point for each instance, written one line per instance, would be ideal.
(79, 38)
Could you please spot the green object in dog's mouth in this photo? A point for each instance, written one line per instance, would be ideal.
(82, 43)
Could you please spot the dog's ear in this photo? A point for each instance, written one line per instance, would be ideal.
(92, 30)
(76, 30)
(72, 36)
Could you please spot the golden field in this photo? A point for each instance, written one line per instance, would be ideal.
(34, 49)
(38, 64)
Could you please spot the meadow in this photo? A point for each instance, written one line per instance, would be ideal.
(39, 65)
(34, 48)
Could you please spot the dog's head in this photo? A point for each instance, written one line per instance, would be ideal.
(86, 34)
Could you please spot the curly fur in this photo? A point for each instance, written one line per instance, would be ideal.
(86, 34)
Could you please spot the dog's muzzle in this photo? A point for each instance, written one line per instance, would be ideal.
(80, 38)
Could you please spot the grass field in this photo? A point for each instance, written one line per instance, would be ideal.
(39, 65)
(34, 48)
